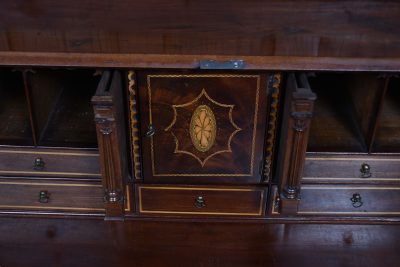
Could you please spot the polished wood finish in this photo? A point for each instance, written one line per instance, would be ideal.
(201, 200)
(108, 109)
(71, 163)
(75, 197)
(293, 142)
(85, 242)
(337, 200)
(237, 114)
(286, 63)
(351, 115)
(346, 168)
(312, 28)
(278, 215)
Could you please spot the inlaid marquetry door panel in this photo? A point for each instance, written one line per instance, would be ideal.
(202, 127)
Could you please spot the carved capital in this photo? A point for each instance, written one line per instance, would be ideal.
(301, 120)
(105, 125)
(104, 120)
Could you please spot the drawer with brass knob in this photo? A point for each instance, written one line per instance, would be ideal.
(197, 200)
(350, 200)
(331, 168)
(44, 162)
(27, 195)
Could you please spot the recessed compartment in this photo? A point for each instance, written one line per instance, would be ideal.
(192, 200)
(47, 107)
(345, 111)
(15, 125)
(387, 139)
(47, 126)
(355, 131)
(61, 105)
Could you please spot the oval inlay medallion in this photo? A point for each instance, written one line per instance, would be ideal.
(203, 128)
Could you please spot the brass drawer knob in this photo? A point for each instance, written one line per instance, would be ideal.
(44, 196)
(356, 200)
(365, 170)
(199, 202)
(38, 164)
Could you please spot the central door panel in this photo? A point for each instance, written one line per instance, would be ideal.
(202, 127)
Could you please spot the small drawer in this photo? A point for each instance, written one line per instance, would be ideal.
(201, 200)
(355, 168)
(44, 196)
(350, 200)
(49, 163)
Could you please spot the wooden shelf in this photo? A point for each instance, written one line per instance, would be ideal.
(59, 114)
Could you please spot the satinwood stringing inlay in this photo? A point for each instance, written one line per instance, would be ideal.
(202, 141)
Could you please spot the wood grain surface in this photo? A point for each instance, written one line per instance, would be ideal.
(74, 242)
(341, 35)
(287, 28)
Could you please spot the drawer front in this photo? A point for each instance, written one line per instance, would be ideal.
(350, 200)
(201, 201)
(202, 128)
(49, 163)
(45, 196)
(330, 168)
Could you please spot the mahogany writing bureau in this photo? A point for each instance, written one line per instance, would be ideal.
(258, 111)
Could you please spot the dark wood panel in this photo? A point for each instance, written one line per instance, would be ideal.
(24, 195)
(339, 168)
(78, 242)
(234, 109)
(295, 127)
(73, 163)
(290, 28)
(337, 200)
(111, 135)
(206, 201)
(192, 61)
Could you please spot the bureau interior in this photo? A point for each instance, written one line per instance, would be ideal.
(47, 107)
(387, 138)
(15, 128)
(355, 113)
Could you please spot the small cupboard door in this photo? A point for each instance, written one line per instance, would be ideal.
(202, 127)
